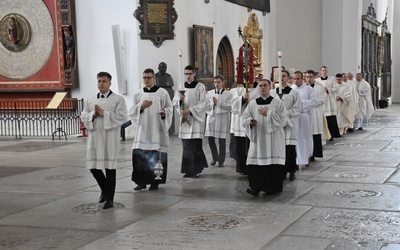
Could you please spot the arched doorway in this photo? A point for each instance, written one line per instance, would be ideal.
(225, 62)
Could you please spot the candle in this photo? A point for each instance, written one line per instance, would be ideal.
(280, 70)
(180, 70)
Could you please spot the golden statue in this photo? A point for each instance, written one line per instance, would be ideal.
(252, 29)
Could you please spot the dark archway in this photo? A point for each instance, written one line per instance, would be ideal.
(225, 62)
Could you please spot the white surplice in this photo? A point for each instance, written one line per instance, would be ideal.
(293, 107)
(366, 107)
(104, 131)
(238, 106)
(218, 116)
(267, 138)
(195, 101)
(330, 107)
(305, 144)
(345, 113)
(152, 131)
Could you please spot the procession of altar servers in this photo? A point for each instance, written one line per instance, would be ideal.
(316, 108)
(273, 131)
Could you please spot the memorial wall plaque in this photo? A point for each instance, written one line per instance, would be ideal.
(263, 5)
(156, 18)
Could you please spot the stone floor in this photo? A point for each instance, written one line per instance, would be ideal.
(347, 200)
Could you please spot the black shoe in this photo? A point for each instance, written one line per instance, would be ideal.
(350, 130)
(153, 187)
(331, 139)
(140, 187)
(252, 192)
(292, 177)
(187, 175)
(213, 163)
(108, 204)
(312, 158)
(220, 165)
(196, 175)
(360, 128)
(102, 198)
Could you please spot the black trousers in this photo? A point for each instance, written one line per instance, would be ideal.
(106, 182)
(333, 126)
(317, 152)
(217, 156)
(193, 157)
(290, 162)
(232, 146)
(242, 147)
(266, 178)
(143, 163)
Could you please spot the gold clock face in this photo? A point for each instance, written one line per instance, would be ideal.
(27, 36)
(15, 32)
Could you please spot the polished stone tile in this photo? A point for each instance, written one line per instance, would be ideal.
(353, 195)
(359, 226)
(81, 211)
(354, 174)
(313, 243)
(28, 238)
(205, 225)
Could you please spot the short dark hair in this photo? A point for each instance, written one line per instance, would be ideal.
(148, 70)
(287, 72)
(106, 74)
(219, 77)
(190, 67)
(310, 71)
(299, 72)
(323, 67)
(339, 75)
(266, 80)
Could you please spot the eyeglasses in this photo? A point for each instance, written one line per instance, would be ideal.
(188, 74)
(147, 77)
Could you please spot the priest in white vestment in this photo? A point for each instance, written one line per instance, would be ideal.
(218, 119)
(365, 105)
(354, 97)
(264, 120)
(343, 98)
(191, 104)
(152, 111)
(103, 116)
(319, 119)
(308, 97)
(292, 102)
(330, 107)
(240, 100)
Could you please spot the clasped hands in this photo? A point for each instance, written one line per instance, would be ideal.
(262, 111)
(148, 103)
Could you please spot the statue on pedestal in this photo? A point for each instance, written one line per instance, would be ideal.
(254, 34)
(165, 81)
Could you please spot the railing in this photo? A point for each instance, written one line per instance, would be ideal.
(31, 118)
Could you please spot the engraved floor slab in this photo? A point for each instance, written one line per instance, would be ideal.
(368, 156)
(360, 226)
(14, 202)
(354, 174)
(385, 134)
(205, 225)
(352, 195)
(61, 180)
(364, 145)
(26, 238)
(395, 178)
(31, 146)
(81, 211)
(313, 243)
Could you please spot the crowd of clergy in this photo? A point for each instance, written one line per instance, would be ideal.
(273, 132)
